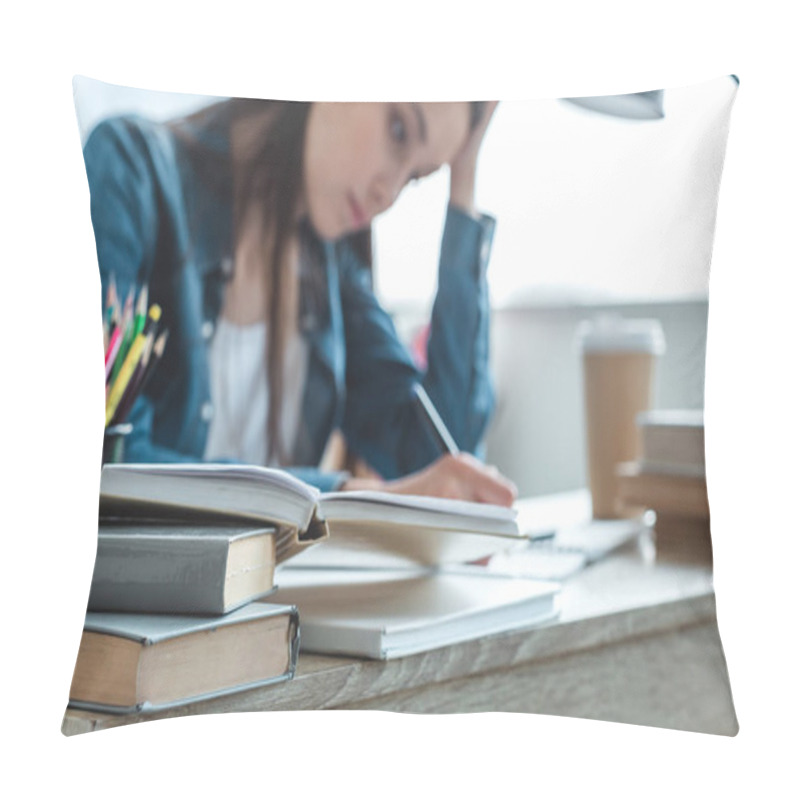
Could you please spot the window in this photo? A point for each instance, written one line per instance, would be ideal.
(588, 206)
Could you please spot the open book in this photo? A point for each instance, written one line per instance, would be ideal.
(364, 529)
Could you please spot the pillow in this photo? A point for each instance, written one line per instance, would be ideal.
(583, 385)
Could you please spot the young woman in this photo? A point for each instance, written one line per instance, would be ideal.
(249, 222)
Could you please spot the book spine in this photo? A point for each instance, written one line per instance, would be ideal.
(153, 574)
(671, 468)
(671, 445)
(664, 493)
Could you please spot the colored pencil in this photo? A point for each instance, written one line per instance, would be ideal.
(114, 322)
(113, 349)
(155, 357)
(141, 312)
(112, 301)
(128, 399)
(127, 335)
(132, 389)
(120, 381)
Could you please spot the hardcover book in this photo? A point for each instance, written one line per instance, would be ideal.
(144, 662)
(181, 569)
(679, 494)
(673, 442)
(385, 614)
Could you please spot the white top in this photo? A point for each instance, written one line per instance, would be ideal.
(611, 333)
(240, 392)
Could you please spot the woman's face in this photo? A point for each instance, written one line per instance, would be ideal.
(359, 156)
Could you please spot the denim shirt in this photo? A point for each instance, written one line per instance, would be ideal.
(158, 222)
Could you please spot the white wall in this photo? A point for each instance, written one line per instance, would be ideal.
(96, 100)
(537, 435)
(587, 205)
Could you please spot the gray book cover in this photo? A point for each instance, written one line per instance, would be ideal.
(154, 628)
(168, 569)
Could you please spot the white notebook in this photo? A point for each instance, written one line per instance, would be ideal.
(385, 614)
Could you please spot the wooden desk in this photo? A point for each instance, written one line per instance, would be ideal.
(636, 642)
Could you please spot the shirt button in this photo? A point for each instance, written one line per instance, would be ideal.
(485, 251)
(207, 329)
(206, 412)
(226, 266)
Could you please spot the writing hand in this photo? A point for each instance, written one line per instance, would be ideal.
(458, 477)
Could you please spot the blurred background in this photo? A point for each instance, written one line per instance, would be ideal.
(598, 213)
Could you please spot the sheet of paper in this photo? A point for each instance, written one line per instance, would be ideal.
(578, 540)
(543, 563)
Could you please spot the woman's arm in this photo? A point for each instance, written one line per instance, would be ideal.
(381, 419)
(457, 378)
(124, 205)
(124, 218)
(381, 422)
(458, 349)
(463, 167)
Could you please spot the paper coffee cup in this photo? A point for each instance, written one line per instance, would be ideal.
(619, 358)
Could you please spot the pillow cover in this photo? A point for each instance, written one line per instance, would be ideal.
(605, 214)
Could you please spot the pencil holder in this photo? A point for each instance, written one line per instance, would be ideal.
(114, 442)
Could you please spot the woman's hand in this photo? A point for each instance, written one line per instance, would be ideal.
(459, 477)
(463, 167)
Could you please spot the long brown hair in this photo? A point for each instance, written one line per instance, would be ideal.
(273, 182)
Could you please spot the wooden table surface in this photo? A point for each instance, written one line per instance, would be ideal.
(636, 641)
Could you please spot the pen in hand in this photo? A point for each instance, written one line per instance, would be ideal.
(447, 444)
(455, 475)
(430, 416)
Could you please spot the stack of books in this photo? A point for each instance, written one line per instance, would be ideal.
(175, 615)
(670, 479)
(188, 554)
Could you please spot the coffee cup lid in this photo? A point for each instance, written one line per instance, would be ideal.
(609, 333)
